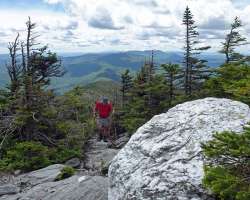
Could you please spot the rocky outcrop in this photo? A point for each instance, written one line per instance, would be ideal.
(163, 159)
(48, 174)
(74, 162)
(8, 189)
(41, 185)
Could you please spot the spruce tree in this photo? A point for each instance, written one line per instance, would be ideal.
(172, 74)
(231, 81)
(151, 67)
(227, 170)
(193, 65)
(233, 40)
(126, 85)
(147, 98)
(149, 73)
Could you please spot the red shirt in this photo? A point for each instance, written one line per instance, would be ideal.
(104, 110)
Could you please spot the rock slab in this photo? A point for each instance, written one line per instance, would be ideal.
(163, 159)
(40, 185)
(8, 189)
(74, 162)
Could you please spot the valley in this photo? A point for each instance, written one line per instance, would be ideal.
(93, 67)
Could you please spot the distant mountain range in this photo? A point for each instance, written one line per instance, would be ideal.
(89, 68)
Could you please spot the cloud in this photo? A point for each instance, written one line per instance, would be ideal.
(148, 3)
(94, 25)
(52, 1)
(3, 34)
(216, 23)
(61, 25)
(103, 20)
(128, 19)
(212, 34)
(158, 33)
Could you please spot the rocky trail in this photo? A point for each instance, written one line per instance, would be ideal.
(98, 155)
(90, 181)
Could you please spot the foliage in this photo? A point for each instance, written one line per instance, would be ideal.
(66, 172)
(25, 156)
(233, 40)
(195, 69)
(62, 154)
(227, 172)
(147, 98)
(4, 99)
(173, 76)
(28, 156)
(53, 127)
(232, 81)
(126, 85)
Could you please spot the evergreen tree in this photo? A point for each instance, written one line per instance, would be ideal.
(172, 73)
(126, 85)
(149, 72)
(231, 81)
(29, 76)
(232, 41)
(193, 65)
(151, 67)
(147, 98)
(39, 65)
(227, 172)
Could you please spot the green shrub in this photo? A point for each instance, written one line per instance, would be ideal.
(62, 154)
(232, 81)
(227, 173)
(66, 172)
(226, 184)
(28, 156)
(25, 156)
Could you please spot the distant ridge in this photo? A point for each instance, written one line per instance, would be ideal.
(88, 68)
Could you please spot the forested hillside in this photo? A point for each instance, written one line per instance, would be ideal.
(89, 68)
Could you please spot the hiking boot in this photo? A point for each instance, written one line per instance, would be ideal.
(105, 139)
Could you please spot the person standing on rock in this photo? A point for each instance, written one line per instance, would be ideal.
(103, 110)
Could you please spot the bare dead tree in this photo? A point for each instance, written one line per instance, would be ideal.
(23, 58)
(14, 67)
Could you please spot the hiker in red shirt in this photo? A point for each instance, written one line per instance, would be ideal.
(103, 110)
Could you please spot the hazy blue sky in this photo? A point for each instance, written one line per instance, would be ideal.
(108, 25)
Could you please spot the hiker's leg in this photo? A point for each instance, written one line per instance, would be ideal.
(100, 137)
(104, 134)
(107, 129)
(104, 129)
(99, 127)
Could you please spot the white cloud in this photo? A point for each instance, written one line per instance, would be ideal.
(52, 1)
(99, 25)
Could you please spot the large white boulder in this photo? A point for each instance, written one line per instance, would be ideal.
(163, 159)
